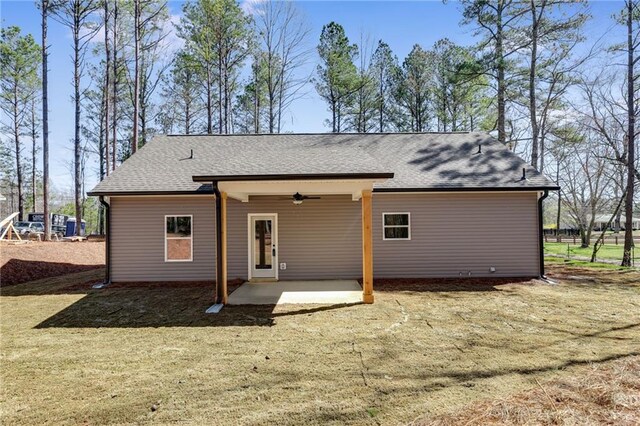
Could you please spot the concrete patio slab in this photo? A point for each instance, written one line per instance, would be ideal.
(294, 292)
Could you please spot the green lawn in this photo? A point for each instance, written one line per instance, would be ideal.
(606, 252)
(557, 261)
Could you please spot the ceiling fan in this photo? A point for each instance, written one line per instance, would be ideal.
(299, 198)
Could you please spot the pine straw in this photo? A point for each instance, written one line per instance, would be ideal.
(599, 395)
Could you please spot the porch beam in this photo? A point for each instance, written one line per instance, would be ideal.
(367, 248)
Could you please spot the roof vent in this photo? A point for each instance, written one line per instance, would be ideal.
(524, 174)
(191, 156)
(479, 148)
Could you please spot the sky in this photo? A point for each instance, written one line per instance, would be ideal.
(401, 24)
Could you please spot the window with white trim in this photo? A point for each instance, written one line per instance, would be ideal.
(396, 226)
(178, 238)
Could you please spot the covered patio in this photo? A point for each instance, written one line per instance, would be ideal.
(277, 289)
(332, 292)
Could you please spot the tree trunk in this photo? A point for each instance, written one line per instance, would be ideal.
(76, 141)
(187, 118)
(334, 115)
(532, 84)
(16, 137)
(600, 240)
(281, 91)
(136, 74)
(502, 134)
(101, 148)
(107, 95)
(114, 137)
(227, 95)
(220, 127)
(381, 103)
(45, 124)
(209, 102)
(631, 153)
(558, 214)
(34, 148)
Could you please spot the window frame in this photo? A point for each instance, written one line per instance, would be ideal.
(385, 226)
(190, 216)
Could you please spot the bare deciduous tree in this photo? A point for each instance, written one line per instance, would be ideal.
(283, 36)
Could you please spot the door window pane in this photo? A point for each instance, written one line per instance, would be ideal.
(262, 245)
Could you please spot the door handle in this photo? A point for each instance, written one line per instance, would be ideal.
(273, 251)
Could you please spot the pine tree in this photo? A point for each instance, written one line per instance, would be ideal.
(337, 75)
(19, 84)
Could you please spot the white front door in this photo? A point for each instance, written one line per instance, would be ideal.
(263, 239)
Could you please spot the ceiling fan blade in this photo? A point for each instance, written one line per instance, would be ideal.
(307, 197)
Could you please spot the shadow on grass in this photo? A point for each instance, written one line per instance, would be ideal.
(179, 306)
(485, 374)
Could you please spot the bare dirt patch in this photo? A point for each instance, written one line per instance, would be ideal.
(21, 263)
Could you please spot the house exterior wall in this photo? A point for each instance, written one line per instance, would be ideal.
(453, 233)
(319, 239)
(137, 238)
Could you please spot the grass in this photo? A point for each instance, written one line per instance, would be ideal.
(143, 354)
(557, 261)
(606, 252)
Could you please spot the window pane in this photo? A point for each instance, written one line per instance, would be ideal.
(396, 233)
(262, 245)
(396, 219)
(179, 226)
(179, 249)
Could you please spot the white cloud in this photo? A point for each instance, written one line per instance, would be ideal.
(251, 7)
(172, 42)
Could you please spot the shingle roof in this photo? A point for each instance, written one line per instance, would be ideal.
(425, 161)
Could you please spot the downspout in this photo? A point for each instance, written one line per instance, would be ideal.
(107, 244)
(216, 191)
(541, 232)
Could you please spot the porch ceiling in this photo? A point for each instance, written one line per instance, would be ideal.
(242, 190)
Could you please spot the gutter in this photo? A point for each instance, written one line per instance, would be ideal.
(541, 233)
(469, 189)
(216, 191)
(107, 244)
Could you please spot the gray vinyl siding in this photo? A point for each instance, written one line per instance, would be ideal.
(458, 233)
(322, 239)
(319, 239)
(137, 238)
